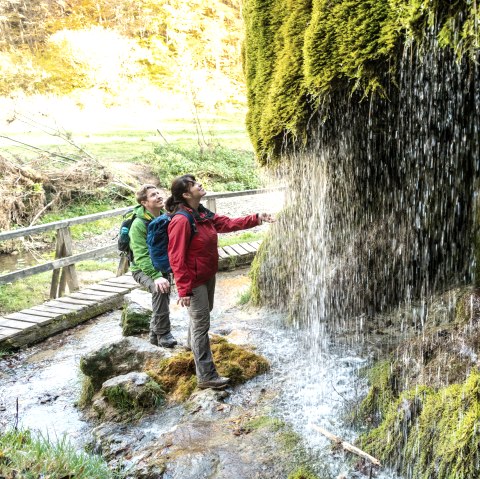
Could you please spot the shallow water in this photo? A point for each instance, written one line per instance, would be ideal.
(307, 385)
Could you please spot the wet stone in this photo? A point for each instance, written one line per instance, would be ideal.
(136, 314)
(117, 358)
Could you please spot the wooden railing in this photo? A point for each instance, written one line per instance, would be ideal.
(63, 266)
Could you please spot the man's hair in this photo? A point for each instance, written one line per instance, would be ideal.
(141, 194)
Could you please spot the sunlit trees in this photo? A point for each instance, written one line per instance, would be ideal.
(171, 42)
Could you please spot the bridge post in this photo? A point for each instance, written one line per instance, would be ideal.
(212, 204)
(66, 275)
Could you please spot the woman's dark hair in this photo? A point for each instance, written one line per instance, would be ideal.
(180, 185)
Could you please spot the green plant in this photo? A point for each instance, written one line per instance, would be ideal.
(24, 455)
(218, 168)
(245, 296)
(245, 237)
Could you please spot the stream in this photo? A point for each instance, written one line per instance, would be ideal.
(44, 380)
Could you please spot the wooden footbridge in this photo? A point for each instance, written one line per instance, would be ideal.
(63, 310)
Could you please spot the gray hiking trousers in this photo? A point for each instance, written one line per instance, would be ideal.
(201, 303)
(160, 321)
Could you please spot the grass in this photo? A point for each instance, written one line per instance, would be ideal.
(125, 145)
(25, 456)
(245, 237)
(87, 207)
(35, 289)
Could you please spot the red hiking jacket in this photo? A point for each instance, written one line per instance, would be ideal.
(194, 260)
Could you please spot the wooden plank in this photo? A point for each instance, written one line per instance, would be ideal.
(90, 297)
(230, 251)
(99, 294)
(27, 318)
(248, 247)
(50, 309)
(108, 289)
(36, 312)
(69, 307)
(255, 244)
(124, 279)
(70, 300)
(15, 324)
(241, 251)
(119, 285)
(5, 332)
(222, 253)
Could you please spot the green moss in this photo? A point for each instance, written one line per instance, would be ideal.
(297, 52)
(87, 392)
(261, 422)
(126, 402)
(431, 433)
(134, 322)
(302, 473)
(381, 393)
(177, 377)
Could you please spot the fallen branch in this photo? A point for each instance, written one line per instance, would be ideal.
(347, 446)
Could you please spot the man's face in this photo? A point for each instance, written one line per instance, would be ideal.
(154, 200)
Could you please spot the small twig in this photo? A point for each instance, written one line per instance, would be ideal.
(35, 218)
(38, 149)
(163, 138)
(346, 445)
(15, 426)
(53, 132)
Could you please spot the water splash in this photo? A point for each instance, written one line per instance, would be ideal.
(382, 199)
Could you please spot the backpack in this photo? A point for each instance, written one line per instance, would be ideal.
(123, 243)
(157, 239)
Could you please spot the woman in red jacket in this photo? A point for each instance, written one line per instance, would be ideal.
(193, 258)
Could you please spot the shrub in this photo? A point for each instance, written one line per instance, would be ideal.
(218, 168)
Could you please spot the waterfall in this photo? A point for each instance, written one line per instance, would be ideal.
(381, 205)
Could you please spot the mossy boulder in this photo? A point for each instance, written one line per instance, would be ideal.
(433, 433)
(424, 401)
(127, 396)
(135, 318)
(117, 358)
(176, 374)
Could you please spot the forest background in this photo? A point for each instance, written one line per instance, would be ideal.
(98, 96)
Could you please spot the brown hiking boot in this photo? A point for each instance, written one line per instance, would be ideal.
(217, 383)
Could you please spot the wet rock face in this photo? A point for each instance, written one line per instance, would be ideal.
(120, 357)
(127, 396)
(135, 317)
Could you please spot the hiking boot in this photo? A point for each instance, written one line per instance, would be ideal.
(166, 340)
(153, 339)
(217, 383)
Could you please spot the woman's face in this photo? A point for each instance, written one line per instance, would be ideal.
(196, 190)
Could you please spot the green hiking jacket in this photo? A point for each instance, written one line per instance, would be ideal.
(138, 243)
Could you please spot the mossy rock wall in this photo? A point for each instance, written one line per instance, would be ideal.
(383, 173)
(297, 52)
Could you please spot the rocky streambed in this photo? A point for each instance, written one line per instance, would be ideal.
(260, 429)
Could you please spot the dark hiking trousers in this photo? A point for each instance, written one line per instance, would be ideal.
(160, 321)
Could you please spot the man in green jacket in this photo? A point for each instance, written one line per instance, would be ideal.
(150, 206)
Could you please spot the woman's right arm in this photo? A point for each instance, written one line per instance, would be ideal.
(179, 232)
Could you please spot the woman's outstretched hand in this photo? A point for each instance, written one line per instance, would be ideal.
(184, 301)
(265, 218)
